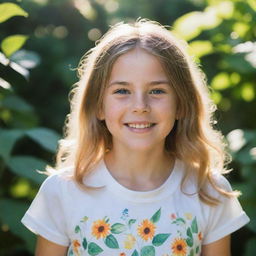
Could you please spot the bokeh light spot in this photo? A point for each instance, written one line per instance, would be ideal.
(94, 34)
(111, 6)
(60, 32)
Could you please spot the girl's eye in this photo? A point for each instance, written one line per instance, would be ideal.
(121, 91)
(157, 91)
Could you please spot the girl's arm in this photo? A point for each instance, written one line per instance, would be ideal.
(220, 248)
(46, 248)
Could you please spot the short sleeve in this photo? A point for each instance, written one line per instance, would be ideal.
(225, 218)
(45, 216)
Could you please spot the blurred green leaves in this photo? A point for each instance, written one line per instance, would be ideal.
(16, 103)
(225, 32)
(242, 144)
(7, 140)
(221, 81)
(46, 138)
(8, 10)
(192, 24)
(200, 48)
(12, 43)
(20, 124)
(27, 166)
(11, 211)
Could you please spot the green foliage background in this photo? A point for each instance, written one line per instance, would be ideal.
(41, 44)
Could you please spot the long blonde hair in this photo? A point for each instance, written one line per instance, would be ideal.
(193, 139)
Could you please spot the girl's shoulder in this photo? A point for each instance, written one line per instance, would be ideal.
(57, 180)
(62, 175)
(221, 182)
(64, 179)
(218, 180)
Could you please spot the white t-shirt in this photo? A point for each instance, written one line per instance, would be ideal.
(114, 220)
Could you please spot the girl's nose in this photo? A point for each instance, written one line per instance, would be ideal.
(140, 104)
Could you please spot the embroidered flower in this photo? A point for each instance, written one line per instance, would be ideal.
(188, 216)
(200, 236)
(173, 216)
(122, 254)
(129, 242)
(100, 229)
(76, 246)
(179, 247)
(146, 230)
(125, 214)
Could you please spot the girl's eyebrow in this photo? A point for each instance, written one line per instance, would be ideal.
(152, 83)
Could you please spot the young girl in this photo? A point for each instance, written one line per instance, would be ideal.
(140, 167)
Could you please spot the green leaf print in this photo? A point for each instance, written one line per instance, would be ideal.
(189, 233)
(160, 239)
(77, 229)
(94, 249)
(189, 240)
(131, 221)
(197, 249)
(84, 243)
(191, 253)
(84, 219)
(118, 228)
(135, 253)
(111, 242)
(106, 219)
(70, 252)
(194, 226)
(148, 251)
(155, 218)
(179, 221)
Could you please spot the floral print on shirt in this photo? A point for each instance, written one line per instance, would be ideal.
(138, 237)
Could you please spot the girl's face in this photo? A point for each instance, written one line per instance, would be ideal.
(139, 105)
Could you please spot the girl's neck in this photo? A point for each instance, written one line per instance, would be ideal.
(139, 170)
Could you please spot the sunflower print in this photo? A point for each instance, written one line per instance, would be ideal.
(200, 236)
(76, 245)
(146, 230)
(130, 236)
(179, 247)
(100, 229)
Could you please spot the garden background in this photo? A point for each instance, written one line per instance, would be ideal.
(42, 42)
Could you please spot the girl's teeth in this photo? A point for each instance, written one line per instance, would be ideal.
(139, 126)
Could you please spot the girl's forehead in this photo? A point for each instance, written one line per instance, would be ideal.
(137, 56)
(137, 67)
(136, 61)
(135, 53)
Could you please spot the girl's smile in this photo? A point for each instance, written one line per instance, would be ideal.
(140, 127)
(139, 105)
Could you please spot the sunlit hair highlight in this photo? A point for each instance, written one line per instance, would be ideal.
(193, 140)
